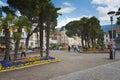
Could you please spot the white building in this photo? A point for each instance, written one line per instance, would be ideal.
(63, 38)
(107, 39)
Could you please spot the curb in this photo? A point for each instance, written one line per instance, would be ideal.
(17, 68)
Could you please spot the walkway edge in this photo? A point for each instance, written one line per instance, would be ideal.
(67, 76)
(17, 68)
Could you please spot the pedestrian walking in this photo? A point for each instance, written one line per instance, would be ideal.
(74, 47)
(77, 48)
(23, 51)
(112, 51)
(69, 48)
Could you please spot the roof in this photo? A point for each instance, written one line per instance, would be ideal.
(106, 28)
(117, 29)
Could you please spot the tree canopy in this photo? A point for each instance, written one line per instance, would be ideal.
(88, 29)
(118, 16)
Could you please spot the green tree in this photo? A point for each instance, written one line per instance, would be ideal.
(33, 8)
(19, 22)
(6, 25)
(100, 37)
(47, 15)
(22, 23)
(94, 29)
(27, 10)
(73, 28)
(88, 29)
(84, 31)
(51, 18)
(118, 16)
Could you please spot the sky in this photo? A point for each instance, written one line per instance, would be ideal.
(76, 9)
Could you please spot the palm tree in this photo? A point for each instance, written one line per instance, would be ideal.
(47, 14)
(51, 17)
(27, 10)
(21, 22)
(6, 26)
(33, 8)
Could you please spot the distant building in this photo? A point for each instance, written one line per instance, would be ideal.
(64, 39)
(107, 39)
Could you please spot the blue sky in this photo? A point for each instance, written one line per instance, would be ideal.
(76, 9)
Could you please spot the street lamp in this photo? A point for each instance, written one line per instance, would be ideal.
(111, 14)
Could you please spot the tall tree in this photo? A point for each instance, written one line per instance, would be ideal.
(94, 28)
(100, 37)
(22, 23)
(25, 10)
(73, 28)
(47, 14)
(33, 8)
(51, 17)
(88, 28)
(84, 31)
(6, 26)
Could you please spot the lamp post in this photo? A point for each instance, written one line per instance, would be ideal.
(111, 14)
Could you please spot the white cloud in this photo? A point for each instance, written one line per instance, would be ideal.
(3, 4)
(67, 4)
(104, 6)
(67, 8)
(65, 20)
(109, 3)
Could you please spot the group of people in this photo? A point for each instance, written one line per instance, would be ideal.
(74, 47)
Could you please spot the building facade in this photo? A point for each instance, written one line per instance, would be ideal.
(116, 34)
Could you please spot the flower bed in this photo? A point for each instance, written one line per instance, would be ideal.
(94, 51)
(5, 65)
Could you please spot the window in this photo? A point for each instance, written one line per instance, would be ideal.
(106, 40)
(106, 35)
(22, 43)
(31, 43)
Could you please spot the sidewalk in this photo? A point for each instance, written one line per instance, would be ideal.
(110, 71)
(73, 66)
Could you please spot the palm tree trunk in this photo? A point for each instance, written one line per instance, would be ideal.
(37, 38)
(27, 41)
(17, 44)
(92, 43)
(47, 38)
(16, 49)
(82, 41)
(41, 34)
(7, 45)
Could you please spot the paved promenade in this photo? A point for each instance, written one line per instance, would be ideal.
(73, 66)
(109, 71)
